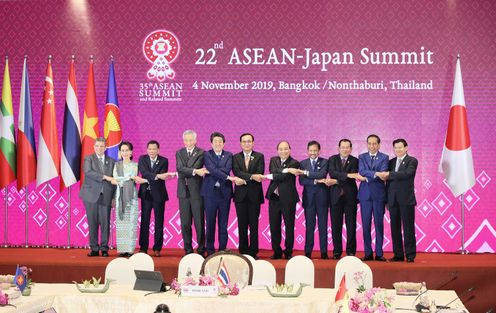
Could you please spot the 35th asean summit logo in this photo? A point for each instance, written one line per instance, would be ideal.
(161, 48)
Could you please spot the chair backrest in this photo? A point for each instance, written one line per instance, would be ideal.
(142, 261)
(351, 266)
(251, 259)
(264, 273)
(121, 271)
(238, 266)
(299, 269)
(191, 261)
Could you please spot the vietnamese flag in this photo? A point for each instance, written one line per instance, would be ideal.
(456, 163)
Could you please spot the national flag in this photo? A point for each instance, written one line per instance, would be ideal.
(7, 139)
(26, 148)
(223, 274)
(341, 300)
(456, 163)
(90, 122)
(112, 126)
(70, 166)
(20, 279)
(48, 147)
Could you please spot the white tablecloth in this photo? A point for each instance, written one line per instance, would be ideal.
(121, 298)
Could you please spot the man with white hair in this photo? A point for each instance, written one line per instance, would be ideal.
(189, 164)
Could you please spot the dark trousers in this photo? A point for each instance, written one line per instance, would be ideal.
(279, 210)
(350, 213)
(312, 212)
(98, 216)
(367, 209)
(403, 215)
(191, 210)
(248, 213)
(146, 211)
(216, 208)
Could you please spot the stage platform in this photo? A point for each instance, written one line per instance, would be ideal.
(438, 270)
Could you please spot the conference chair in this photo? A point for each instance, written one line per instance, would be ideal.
(239, 268)
(190, 262)
(142, 261)
(264, 273)
(251, 259)
(349, 266)
(299, 269)
(120, 271)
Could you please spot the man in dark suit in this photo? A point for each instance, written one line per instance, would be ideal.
(249, 166)
(282, 196)
(97, 193)
(372, 196)
(217, 191)
(153, 167)
(189, 164)
(343, 170)
(401, 201)
(315, 198)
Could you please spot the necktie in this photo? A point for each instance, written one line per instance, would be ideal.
(398, 163)
(247, 161)
(219, 156)
(189, 154)
(373, 159)
(313, 165)
(343, 162)
(101, 160)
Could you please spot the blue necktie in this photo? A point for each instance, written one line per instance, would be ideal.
(313, 165)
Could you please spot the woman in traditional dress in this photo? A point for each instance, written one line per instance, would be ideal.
(126, 200)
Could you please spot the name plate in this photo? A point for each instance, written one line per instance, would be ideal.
(200, 291)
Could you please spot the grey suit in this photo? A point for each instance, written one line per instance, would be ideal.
(190, 200)
(97, 196)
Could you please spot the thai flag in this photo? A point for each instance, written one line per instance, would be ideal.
(26, 148)
(223, 274)
(112, 127)
(70, 166)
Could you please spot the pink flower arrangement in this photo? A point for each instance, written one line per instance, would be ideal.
(4, 298)
(231, 289)
(374, 300)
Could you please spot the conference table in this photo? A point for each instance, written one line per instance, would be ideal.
(123, 299)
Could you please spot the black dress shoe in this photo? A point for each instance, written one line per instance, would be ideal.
(308, 255)
(123, 255)
(145, 251)
(275, 256)
(156, 253)
(324, 256)
(336, 256)
(410, 260)
(93, 253)
(255, 257)
(105, 254)
(288, 256)
(396, 259)
(380, 258)
(188, 252)
(350, 254)
(368, 258)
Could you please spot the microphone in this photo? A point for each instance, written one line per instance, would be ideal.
(446, 306)
(453, 276)
(491, 310)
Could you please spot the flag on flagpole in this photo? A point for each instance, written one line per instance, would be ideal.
(90, 122)
(456, 163)
(26, 148)
(7, 139)
(70, 166)
(112, 126)
(223, 274)
(48, 148)
(341, 300)
(20, 279)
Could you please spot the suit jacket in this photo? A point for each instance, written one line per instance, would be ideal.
(219, 171)
(318, 193)
(158, 190)
(253, 189)
(185, 166)
(400, 185)
(346, 184)
(374, 188)
(93, 180)
(285, 182)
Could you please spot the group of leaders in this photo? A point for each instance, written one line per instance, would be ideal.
(205, 189)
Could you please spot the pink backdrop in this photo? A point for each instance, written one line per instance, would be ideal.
(105, 28)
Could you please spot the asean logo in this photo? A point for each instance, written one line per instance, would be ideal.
(161, 48)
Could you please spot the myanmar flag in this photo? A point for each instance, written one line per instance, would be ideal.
(7, 139)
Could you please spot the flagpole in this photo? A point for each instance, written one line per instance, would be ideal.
(69, 218)
(5, 232)
(26, 216)
(47, 214)
(463, 251)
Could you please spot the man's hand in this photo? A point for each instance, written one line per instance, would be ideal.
(382, 175)
(360, 177)
(201, 172)
(108, 178)
(295, 171)
(258, 177)
(138, 180)
(330, 181)
(353, 175)
(238, 181)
